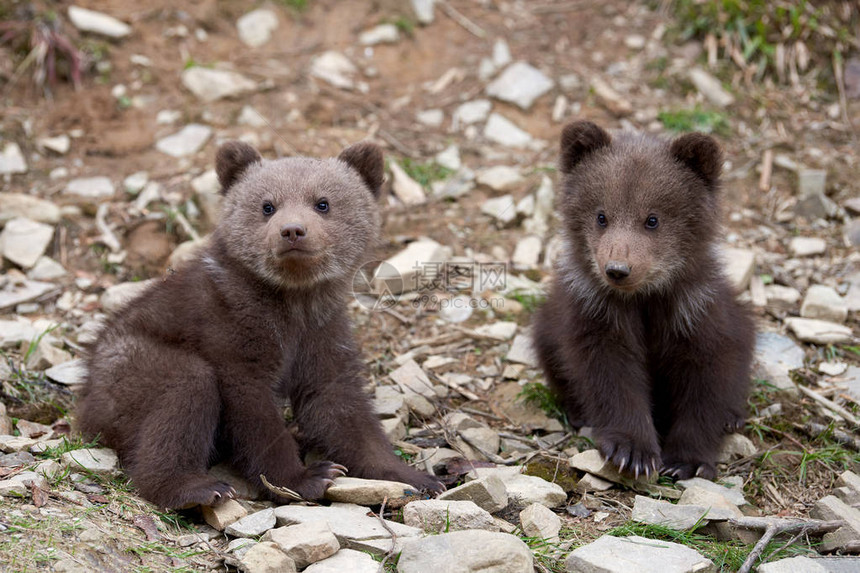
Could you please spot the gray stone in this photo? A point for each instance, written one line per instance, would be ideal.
(736, 446)
(210, 85)
(464, 551)
(824, 302)
(381, 34)
(527, 252)
(405, 188)
(29, 479)
(412, 379)
(442, 516)
(807, 246)
(831, 508)
(710, 87)
(520, 84)
(430, 117)
(13, 488)
(501, 330)
(819, 331)
(187, 141)
(59, 144)
(117, 296)
(135, 182)
(589, 483)
(251, 117)
(255, 28)
(590, 461)
(14, 205)
(456, 186)
(16, 292)
(543, 209)
(503, 209)
(781, 296)
(449, 158)
(220, 516)
(539, 521)
(503, 131)
(474, 111)
(98, 23)
(12, 160)
(501, 53)
(680, 517)
(70, 373)
(15, 332)
(394, 428)
(523, 488)
(10, 444)
(90, 188)
(734, 496)
(817, 206)
(334, 68)
(489, 493)
(500, 178)
(832, 368)
(46, 356)
(625, 554)
(345, 560)
(252, 525)
(739, 265)
(305, 543)
(95, 460)
(16, 459)
(266, 557)
(852, 233)
(24, 241)
(811, 181)
(775, 356)
(410, 269)
(522, 351)
(708, 499)
(388, 402)
(803, 564)
(350, 524)
(366, 491)
(610, 99)
(423, 11)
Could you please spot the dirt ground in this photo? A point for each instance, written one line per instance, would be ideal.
(115, 137)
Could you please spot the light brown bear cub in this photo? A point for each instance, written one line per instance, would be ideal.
(196, 370)
(641, 335)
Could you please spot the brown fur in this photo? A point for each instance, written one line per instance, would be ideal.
(197, 368)
(641, 335)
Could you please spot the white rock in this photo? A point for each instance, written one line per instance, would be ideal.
(739, 265)
(15, 332)
(635, 42)
(255, 28)
(46, 269)
(135, 182)
(90, 188)
(734, 495)
(471, 112)
(59, 144)
(450, 158)
(501, 53)
(95, 460)
(526, 489)
(345, 560)
(366, 491)
(463, 551)
(211, 85)
(825, 303)
(522, 351)
(24, 241)
(539, 521)
(503, 131)
(819, 331)
(266, 557)
(807, 246)
(803, 564)
(252, 525)
(590, 482)
(412, 379)
(489, 493)
(625, 554)
(14, 205)
(423, 11)
(305, 543)
(68, 373)
(334, 68)
(710, 87)
(503, 209)
(411, 268)
(832, 368)
(46, 355)
(12, 160)
(21, 291)
(456, 309)
(10, 444)
(405, 188)
(527, 252)
(382, 34)
(501, 330)
(441, 516)
(188, 140)
(500, 178)
(543, 209)
(775, 356)
(220, 516)
(782, 296)
(251, 117)
(520, 84)
(98, 23)
(736, 446)
(167, 117)
(430, 117)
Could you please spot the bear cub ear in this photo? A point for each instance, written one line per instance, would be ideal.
(578, 139)
(701, 153)
(366, 158)
(231, 161)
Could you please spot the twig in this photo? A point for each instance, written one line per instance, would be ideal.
(766, 170)
(840, 87)
(186, 226)
(398, 145)
(775, 526)
(830, 405)
(108, 237)
(467, 24)
(391, 551)
(281, 491)
(479, 413)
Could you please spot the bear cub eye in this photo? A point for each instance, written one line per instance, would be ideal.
(601, 219)
(268, 208)
(651, 222)
(322, 206)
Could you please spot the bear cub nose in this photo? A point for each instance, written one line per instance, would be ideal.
(617, 271)
(293, 232)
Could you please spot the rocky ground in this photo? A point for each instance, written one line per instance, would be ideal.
(111, 184)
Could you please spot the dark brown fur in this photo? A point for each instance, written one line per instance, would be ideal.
(197, 368)
(641, 336)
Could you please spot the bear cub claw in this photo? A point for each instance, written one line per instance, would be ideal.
(628, 454)
(686, 470)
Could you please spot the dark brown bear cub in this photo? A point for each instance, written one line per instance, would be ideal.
(197, 368)
(641, 336)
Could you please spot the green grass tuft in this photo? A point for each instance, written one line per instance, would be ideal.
(695, 120)
(424, 173)
(541, 396)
